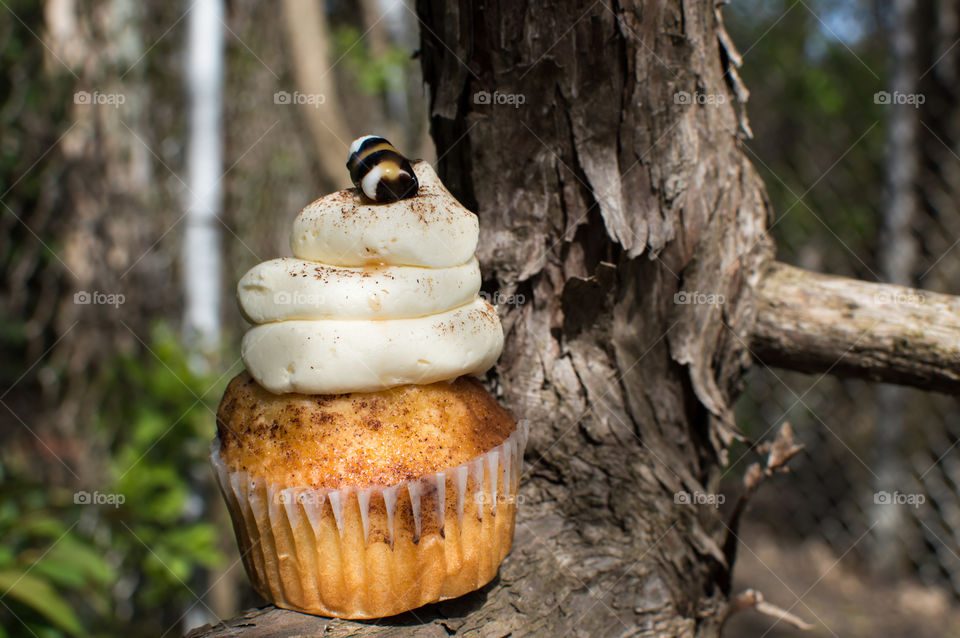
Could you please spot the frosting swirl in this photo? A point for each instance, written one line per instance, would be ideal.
(286, 289)
(377, 295)
(431, 229)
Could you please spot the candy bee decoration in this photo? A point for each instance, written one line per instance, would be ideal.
(379, 171)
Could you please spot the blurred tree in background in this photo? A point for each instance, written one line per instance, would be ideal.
(99, 401)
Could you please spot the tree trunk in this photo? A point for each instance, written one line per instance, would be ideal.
(922, 231)
(898, 260)
(309, 34)
(626, 217)
(201, 239)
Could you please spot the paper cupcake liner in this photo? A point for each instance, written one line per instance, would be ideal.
(381, 550)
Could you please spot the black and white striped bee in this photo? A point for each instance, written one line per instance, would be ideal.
(379, 171)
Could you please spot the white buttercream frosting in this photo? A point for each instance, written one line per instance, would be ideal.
(377, 295)
(333, 356)
(287, 288)
(431, 229)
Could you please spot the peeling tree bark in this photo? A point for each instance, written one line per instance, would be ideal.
(601, 198)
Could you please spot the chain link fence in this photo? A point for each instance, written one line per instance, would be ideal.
(895, 510)
(879, 477)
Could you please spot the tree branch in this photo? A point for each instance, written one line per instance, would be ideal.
(752, 599)
(813, 322)
(779, 452)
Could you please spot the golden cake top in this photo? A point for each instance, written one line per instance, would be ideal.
(359, 439)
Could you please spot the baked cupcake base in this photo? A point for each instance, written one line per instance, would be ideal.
(382, 550)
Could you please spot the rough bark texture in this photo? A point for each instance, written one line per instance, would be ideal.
(822, 323)
(602, 197)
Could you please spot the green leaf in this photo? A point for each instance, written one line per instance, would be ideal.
(74, 564)
(42, 598)
(42, 525)
(149, 427)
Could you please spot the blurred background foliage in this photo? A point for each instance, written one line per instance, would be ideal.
(812, 70)
(106, 399)
(823, 145)
(819, 144)
(374, 74)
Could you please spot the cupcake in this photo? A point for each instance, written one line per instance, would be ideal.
(366, 470)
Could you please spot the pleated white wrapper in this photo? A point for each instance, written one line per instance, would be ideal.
(377, 551)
